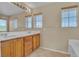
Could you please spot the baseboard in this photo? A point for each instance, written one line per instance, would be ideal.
(58, 51)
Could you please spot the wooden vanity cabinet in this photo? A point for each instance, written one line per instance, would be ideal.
(12, 48)
(28, 45)
(5, 48)
(19, 47)
(36, 41)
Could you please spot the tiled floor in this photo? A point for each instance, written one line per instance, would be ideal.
(46, 53)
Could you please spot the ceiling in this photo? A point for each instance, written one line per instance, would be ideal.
(8, 9)
(37, 4)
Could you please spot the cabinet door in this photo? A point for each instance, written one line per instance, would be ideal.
(28, 45)
(12, 48)
(18, 47)
(36, 41)
(5, 49)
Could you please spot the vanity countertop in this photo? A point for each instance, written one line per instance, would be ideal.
(12, 35)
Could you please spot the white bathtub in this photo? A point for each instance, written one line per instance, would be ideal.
(74, 48)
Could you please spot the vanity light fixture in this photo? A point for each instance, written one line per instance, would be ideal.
(19, 5)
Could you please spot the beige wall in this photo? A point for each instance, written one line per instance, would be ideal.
(52, 35)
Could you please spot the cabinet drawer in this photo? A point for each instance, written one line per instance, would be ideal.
(28, 37)
(5, 43)
(28, 45)
(27, 52)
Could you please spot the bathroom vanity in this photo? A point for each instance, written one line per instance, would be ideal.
(19, 44)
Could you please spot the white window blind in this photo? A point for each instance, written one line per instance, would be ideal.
(3, 25)
(69, 17)
(28, 22)
(15, 23)
(38, 21)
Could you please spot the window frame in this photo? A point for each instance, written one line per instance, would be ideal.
(7, 24)
(13, 24)
(26, 22)
(35, 21)
(69, 17)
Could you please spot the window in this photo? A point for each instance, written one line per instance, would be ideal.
(69, 18)
(14, 23)
(38, 21)
(28, 22)
(3, 25)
